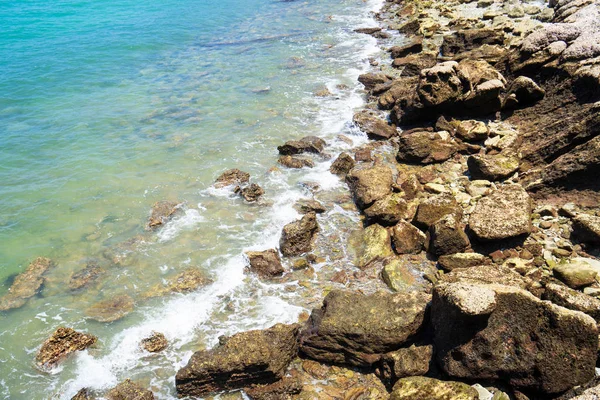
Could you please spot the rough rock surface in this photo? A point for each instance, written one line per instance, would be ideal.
(308, 144)
(577, 272)
(266, 264)
(86, 276)
(374, 245)
(251, 193)
(420, 387)
(162, 211)
(342, 165)
(450, 262)
(435, 208)
(63, 342)
(297, 237)
(111, 309)
(232, 177)
(295, 162)
(388, 210)
(586, 228)
(503, 214)
(155, 342)
(369, 184)
(502, 332)
(129, 390)
(356, 329)
(244, 359)
(283, 389)
(306, 206)
(407, 239)
(447, 236)
(573, 300)
(374, 126)
(26, 285)
(188, 280)
(425, 147)
(409, 361)
(469, 39)
(493, 167)
(83, 394)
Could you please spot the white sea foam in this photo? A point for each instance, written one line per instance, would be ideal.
(189, 220)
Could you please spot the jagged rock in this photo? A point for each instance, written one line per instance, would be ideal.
(414, 46)
(232, 177)
(374, 244)
(342, 165)
(295, 162)
(155, 342)
(435, 208)
(188, 280)
(84, 277)
(573, 300)
(369, 184)
(487, 274)
(356, 329)
(247, 358)
(283, 389)
(420, 387)
(63, 342)
(26, 285)
(370, 80)
(450, 262)
(412, 65)
(305, 206)
(425, 147)
(407, 239)
(493, 167)
(129, 390)
(308, 144)
(586, 228)
(447, 236)
(400, 92)
(469, 39)
(471, 130)
(525, 91)
(444, 83)
(83, 394)
(162, 212)
(388, 210)
(266, 264)
(374, 126)
(503, 214)
(577, 272)
(297, 237)
(411, 187)
(251, 193)
(411, 361)
(503, 332)
(112, 309)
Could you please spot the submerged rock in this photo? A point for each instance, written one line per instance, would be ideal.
(63, 342)
(245, 359)
(155, 342)
(297, 237)
(188, 280)
(26, 285)
(369, 184)
(232, 177)
(128, 390)
(356, 329)
(84, 277)
(306, 206)
(111, 309)
(162, 211)
(420, 387)
(265, 264)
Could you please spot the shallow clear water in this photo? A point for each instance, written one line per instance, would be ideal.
(108, 107)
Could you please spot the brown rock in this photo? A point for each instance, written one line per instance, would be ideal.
(308, 144)
(412, 65)
(586, 228)
(245, 359)
(410, 361)
(493, 167)
(447, 236)
(414, 46)
(251, 193)
(370, 80)
(155, 342)
(435, 208)
(295, 162)
(162, 211)
(573, 300)
(369, 184)
(411, 187)
(63, 342)
(232, 177)
(83, 394)
(388, 210)
(306, 206)
(401, 91)
(469, 39)
(373, 245)
(525, 92)
(450, 262)
(283, 389)
(407, 239)
(188, 280)
(374, 126)
(266, 264)
(84, 277)
(128, 390)
(111, 309)
(425, 147)
(342, 165)
(26, 285)
(297, 237)
(420, 387)
(471, 130)
(487, 274)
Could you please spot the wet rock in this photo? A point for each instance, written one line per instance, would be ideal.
(232, 177)
(410, 361)
(407, 239)
(342, 165)
(414, 46)
(503, 214)
(305, 206)
(368, 31)
(308, 144)
(162, 212)
(63, 342)
(573, 300)
(297, 237)
(369, 184)
(525, 92)
(370, 80)
(435, 208)
(493, 167)
(425, 147)
(83, 394)
(502, 332)
(26, 285)
(471, 130)
(245, 359)
(295, 162)
(129, 390)
(84, 277)
(374, 244)
(283, 389)
(356, 329)
(577, 272)
(400, 276)
(388, 210)
(586, 228)
(447, 236)
(450, 262)
(155, 342)
(469, 39)
(251, 193)
(112, 309)
(374, 126)
(420, 387)
(188, 280)
(265, 264)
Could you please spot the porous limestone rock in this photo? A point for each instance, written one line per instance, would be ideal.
(297, 237)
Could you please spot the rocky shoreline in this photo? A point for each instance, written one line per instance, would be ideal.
(479, 200)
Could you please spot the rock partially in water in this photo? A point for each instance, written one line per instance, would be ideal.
(188, 280)
(308, 144)
(493, 167)
(26, 285)
(295, 162)
(306, 206)
(370, 80)
(111, 309)
(86, 276)
(407, 238)
(374, 126)
(155, 342)
(63, 342)
(400, 276)
(410, 361)
(83, 394)
(232, 177)
(162, 212)
(356, 329)
(372, 245)
(342, 165)
(250, 193)
(297, 237)
(369, 184)
(129, 390)
(265, 264)
(420, 387)
(245, 359)
(505, 333)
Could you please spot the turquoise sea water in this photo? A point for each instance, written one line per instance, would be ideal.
(107, 107)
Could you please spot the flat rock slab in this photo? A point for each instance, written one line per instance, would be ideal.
(245, 359)
(111, 309)
(356, 329)
(63, 342)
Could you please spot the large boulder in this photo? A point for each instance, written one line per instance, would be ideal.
(308, 144)
(493, 167)
(586, 228)
(435, 208)
(297, 237)
(497, 332)
(374, 126)
(447, 236)
(425, 147)
(26, 285)
(577, 272)
(505, 213)
(388, 210)
(407, 238)
(244, 359)
(442, 84)
(369, 184)
(129, 390)
(420, 387)
(63, 342)
(356, 329)
(265, 264)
